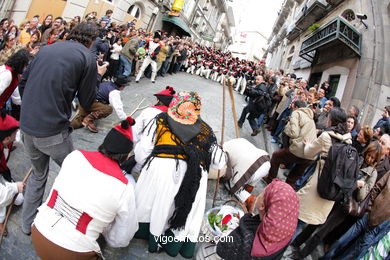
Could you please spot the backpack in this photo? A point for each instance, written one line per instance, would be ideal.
(337, 178)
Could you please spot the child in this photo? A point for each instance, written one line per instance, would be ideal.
(114, 59)
(8, 188)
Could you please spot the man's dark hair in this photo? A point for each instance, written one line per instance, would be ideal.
(387, 109)
(84, 33)
(18, 61)
(338, 120)
(59, 18)
(109, 11)
(281, 71)
(293, 76)
(117, 157)
(336, 102)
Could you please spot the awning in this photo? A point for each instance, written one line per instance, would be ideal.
(178, 22)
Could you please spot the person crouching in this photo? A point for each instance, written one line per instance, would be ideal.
(107, 97)
(89, 197)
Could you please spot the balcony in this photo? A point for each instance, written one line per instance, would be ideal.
(293, 33)
(314, 12)
(335, 34)
(334, 2)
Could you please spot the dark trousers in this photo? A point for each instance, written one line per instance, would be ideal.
(313, 235)
(113, 68)
(285, 156)
(251, 118)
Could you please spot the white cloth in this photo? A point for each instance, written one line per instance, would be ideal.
(142, 120)
(5, 78)
(158, 185)
(7, 192)
(116, 49)
(242, 154)
(116, 102)
(148, 60)
(105, 196)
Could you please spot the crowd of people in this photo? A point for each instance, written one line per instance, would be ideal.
(337, 187)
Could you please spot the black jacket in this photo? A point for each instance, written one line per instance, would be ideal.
(259, 99)
(53, 78)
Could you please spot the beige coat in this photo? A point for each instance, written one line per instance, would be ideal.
(314, 209)
(282, 92)
(301, 127)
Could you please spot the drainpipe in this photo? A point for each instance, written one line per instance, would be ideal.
(372, 80)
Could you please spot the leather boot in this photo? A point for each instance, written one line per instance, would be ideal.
(88, 121)
(250, 203)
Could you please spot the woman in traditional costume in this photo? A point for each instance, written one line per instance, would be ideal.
(178, 149)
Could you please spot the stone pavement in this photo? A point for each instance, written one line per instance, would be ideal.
(18, 246)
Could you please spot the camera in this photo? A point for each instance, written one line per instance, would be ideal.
(100, 62)
(361, 16)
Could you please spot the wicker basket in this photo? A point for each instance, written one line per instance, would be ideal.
(209, 231)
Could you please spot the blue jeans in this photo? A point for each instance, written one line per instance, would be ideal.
(365, 237)
(165, 67)
(282, 123)
(260, 120)
(308, 172)
(125, 66)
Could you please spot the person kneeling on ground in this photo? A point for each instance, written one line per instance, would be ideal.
(267, 235)
(246, 166)
(107, 97)
(90, 196)
(8, 188)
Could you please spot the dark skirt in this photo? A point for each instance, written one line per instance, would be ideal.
(167, 241)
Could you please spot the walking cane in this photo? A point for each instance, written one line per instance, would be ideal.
(135, 110)
(11, 205)
(216, 190)
(230, 87)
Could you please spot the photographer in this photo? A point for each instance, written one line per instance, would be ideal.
(259, 100)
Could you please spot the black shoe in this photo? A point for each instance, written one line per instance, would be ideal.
(162, 75)
(255, 132)
(137, 81)
(239, 124)
(153, 81)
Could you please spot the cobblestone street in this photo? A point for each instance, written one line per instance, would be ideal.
(18, 246)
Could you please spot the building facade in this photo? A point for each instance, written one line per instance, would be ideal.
(249, 45)
(208, 22)
(344, 42)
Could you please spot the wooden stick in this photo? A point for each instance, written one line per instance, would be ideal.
(12, 204)
(230, 87)
(133, 112)
(216, 190)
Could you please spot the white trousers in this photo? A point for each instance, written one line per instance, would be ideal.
(148, 60)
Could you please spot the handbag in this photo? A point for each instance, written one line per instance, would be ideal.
(357, 209)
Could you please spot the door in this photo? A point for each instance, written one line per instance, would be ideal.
(45, 7)
(315, 78)
(334, 83)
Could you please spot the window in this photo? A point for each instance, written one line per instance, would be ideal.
(135, 11)
(292, 50)
(349, 15)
